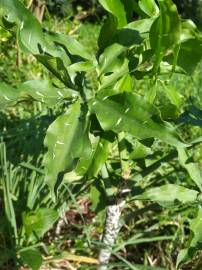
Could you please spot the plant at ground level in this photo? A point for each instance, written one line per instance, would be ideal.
(107, 126)
(33, 213)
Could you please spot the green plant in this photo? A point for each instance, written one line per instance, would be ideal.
(107, 126)
(29, 211)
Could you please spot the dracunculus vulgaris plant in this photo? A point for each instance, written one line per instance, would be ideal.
(105, 117)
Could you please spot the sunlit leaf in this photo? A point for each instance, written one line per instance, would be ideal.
(71, 44)
(38, 90)
(30, 31)
(165, 31)
(115, 7)
(32, 39)
(66, 139)
(141, 26)
(133, 33)
(45, 92)
(149, 7)
(132, 114)
(169, 194)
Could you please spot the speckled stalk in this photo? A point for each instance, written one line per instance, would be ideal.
(112, 228)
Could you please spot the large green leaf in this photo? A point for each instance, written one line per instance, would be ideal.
(129, 35)
(37, 223)
(66, 139)
(116, 8)
(142, 26)
(32, 39)
(131, 113)
(195, 241)
(32, 257)
(71, 44)
(39, 90)
(30, 32)
(134, 32)
(56, 67)
(45, 92)
(192, 168)
(169, 194)
(165, 31)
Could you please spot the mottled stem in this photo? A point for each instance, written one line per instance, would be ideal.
(113, 212)
(61, 223)
(112, 228)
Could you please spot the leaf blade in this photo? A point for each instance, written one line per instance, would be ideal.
(32, 257)
(133, 115)
(169, 194)
(65, 140)
(116, 8)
